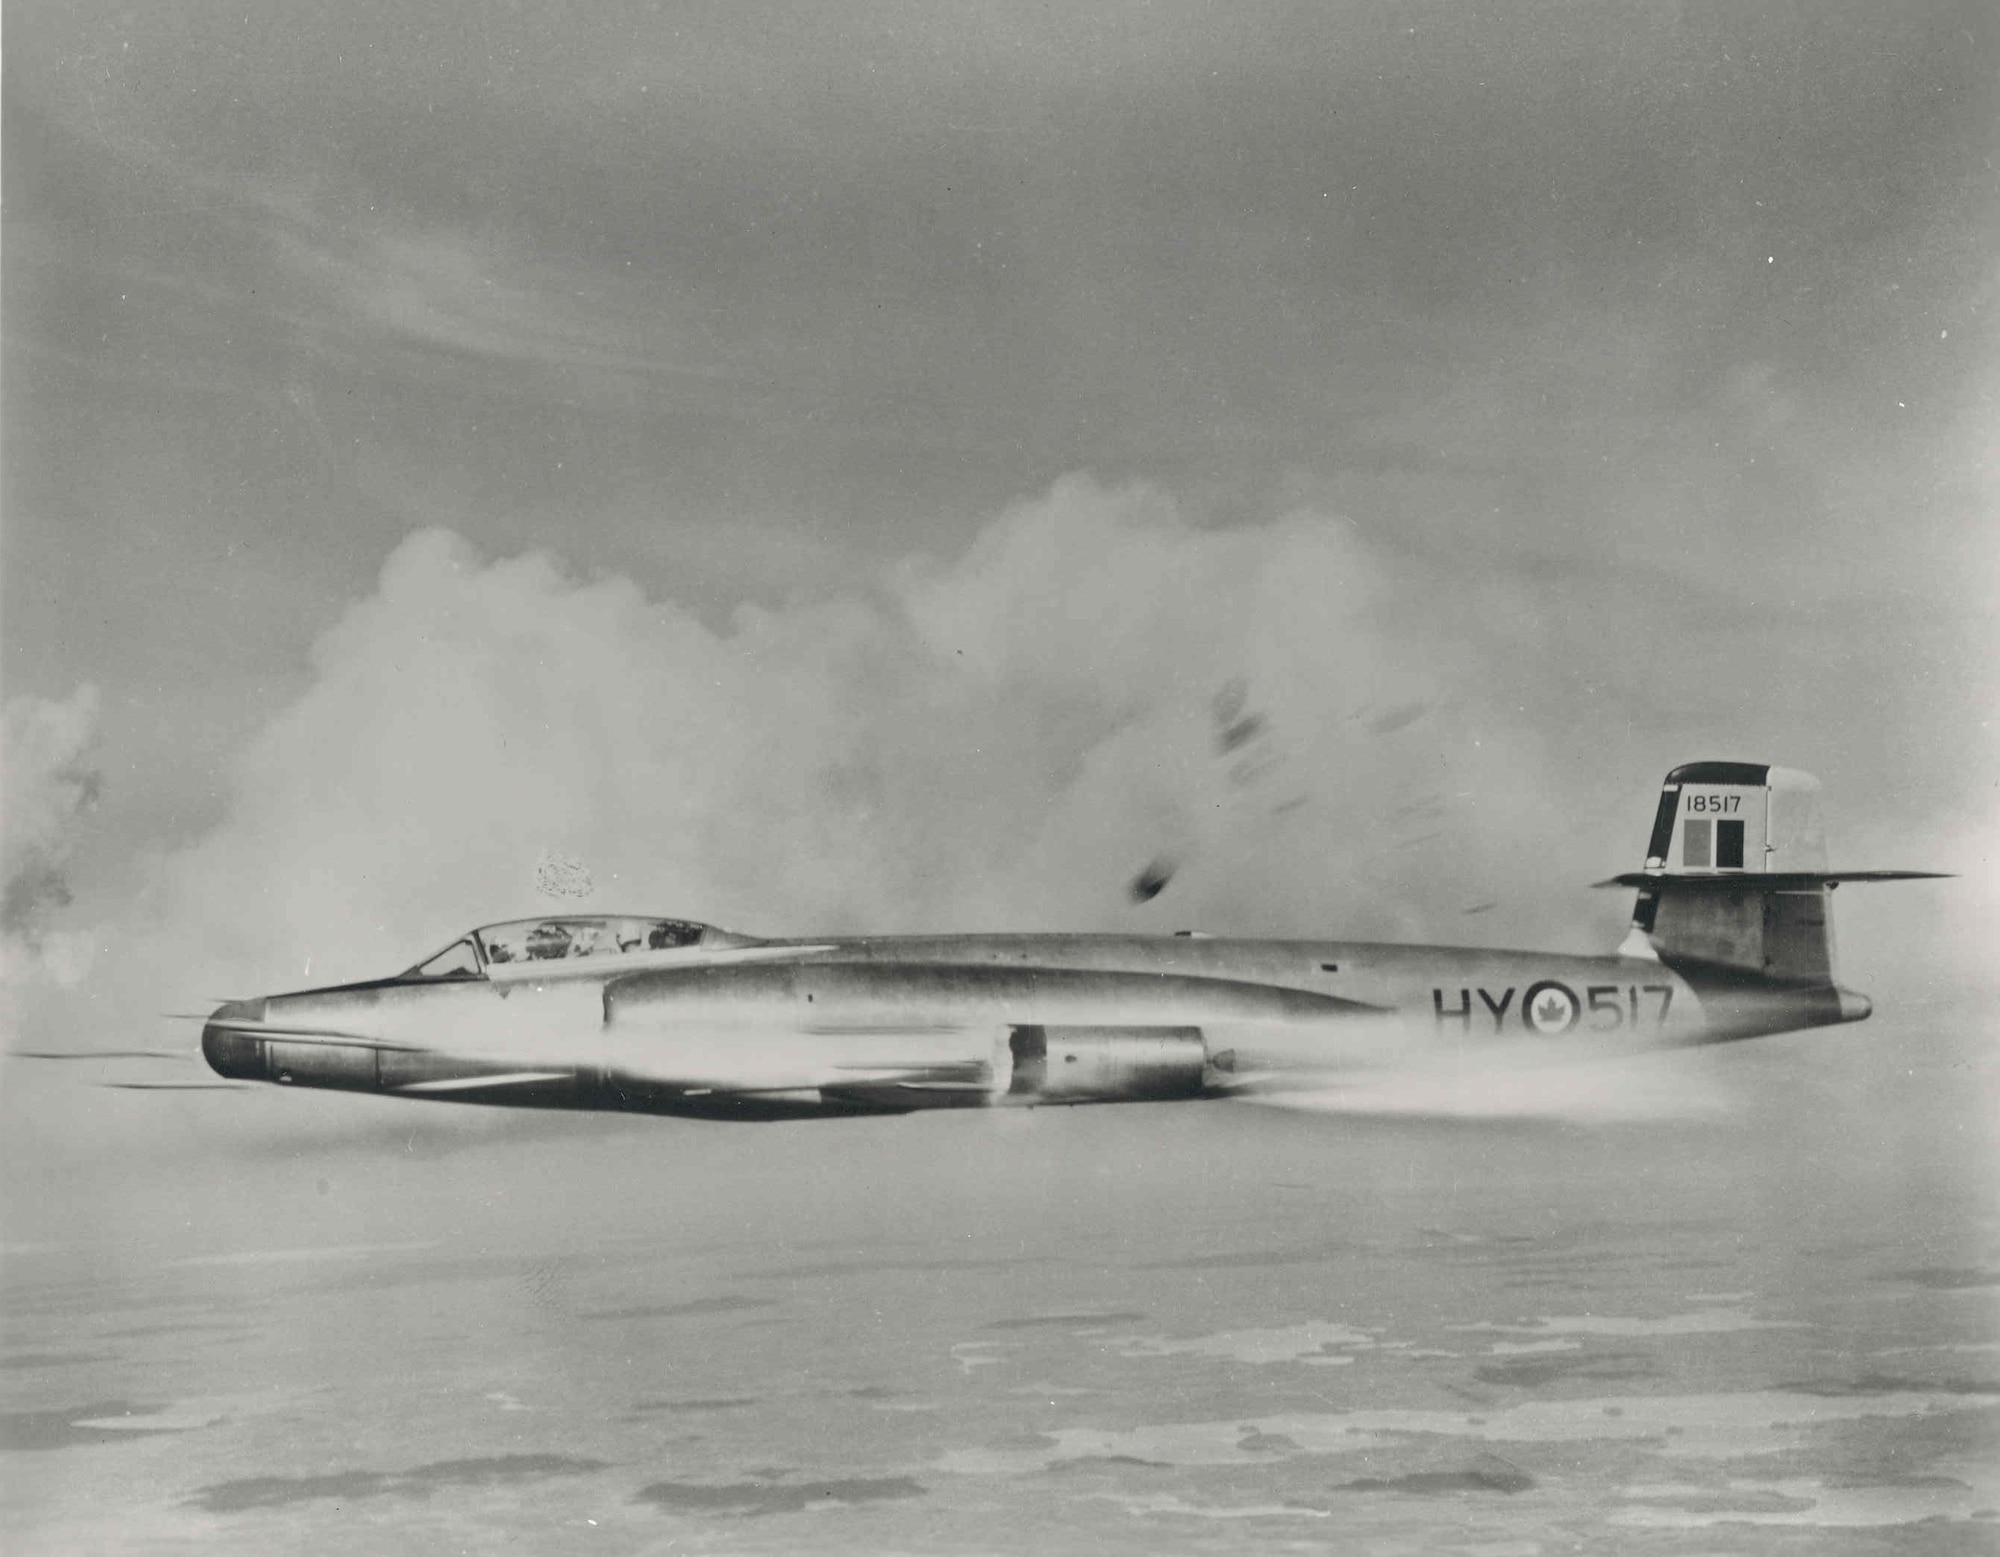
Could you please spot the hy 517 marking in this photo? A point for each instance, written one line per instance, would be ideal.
(1551, 1006)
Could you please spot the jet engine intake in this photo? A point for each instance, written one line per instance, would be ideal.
(1105, 1064)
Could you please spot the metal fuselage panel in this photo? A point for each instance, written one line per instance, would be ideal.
(896, 1023)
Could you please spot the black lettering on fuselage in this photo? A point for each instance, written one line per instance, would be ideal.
(1611, 1006)
(1463, 1013)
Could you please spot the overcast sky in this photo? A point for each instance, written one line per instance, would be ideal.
(823, 464)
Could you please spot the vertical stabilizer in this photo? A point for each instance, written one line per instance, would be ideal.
(1734, 898)
(1732, 874)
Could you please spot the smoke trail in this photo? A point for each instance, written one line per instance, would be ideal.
(1567, 1081)
(48, 790)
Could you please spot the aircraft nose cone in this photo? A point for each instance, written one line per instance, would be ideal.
(230, 1052)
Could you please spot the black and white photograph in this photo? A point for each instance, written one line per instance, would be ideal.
(986, 777)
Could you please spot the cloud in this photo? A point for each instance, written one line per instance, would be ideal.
(995, 741)
(48, 789)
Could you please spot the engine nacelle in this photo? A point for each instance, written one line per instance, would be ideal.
(1105, 1064)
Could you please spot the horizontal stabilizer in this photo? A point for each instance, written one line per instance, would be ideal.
(1765, 881)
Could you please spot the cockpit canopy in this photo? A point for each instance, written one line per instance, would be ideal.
(563, 938)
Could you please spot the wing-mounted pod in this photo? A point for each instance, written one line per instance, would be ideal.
(1105, 1064)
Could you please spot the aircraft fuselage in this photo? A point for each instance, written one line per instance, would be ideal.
(734, 1028)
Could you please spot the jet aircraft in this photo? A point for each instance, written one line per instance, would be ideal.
(1729, 940)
